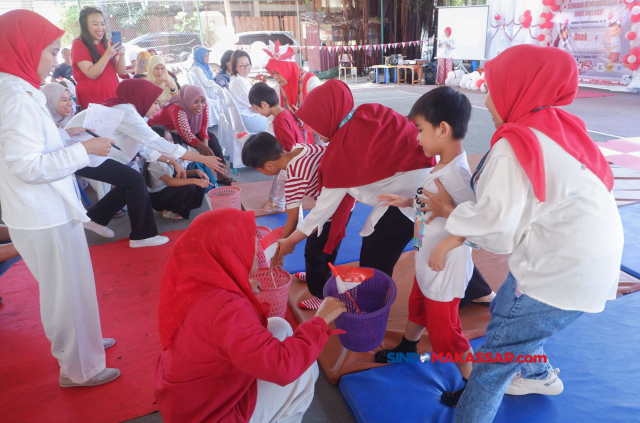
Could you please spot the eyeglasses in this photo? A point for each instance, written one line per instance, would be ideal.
(248, 66)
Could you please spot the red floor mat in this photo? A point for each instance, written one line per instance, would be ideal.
(127, 283)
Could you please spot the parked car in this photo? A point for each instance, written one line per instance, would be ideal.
(254, 42)
(171, 45)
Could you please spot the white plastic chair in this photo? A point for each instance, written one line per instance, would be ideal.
(240, 132)
(352, 69)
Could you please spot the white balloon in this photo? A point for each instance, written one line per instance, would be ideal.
(448, 81)
(459, 74)
(548, 38)
(475, 75)
(521, 19)
(469, 84)
(542, 21)
(543, 43)
(635, 27)
(547, 31)
(451, 74)
(474, 87)
(546, 9)
(634, 43)
(635, 10)
(456, 82)
(483, 88)
(632, 59)
(465, 78)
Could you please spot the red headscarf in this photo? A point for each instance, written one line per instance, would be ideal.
(142, 94)
(376, 143)
(217, 250)
(23, 37)
(525, 83)
(291, 72)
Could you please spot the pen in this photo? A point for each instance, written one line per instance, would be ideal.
(98, 136)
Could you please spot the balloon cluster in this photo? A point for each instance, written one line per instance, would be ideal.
(472, 81)
(634, 7)
(526, 19)
(632, 59)
(546, 21)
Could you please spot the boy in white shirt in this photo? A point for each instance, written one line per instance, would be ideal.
(443, 268)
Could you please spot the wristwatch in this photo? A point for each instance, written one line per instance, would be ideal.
(168, 160)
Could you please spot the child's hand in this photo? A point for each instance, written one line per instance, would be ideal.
(286, 247)
(438, 257)
(200, 182)
(255, 286)
(180, 172)
(277, 260)
(395, 200)
(202, 175)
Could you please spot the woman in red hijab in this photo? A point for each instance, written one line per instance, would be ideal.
(40, 203)
(295, 84)
(222, 360)
(544, 197)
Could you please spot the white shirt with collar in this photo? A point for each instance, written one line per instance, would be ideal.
(239, 88)
(131, 133)
(37, 186)
(565, 251)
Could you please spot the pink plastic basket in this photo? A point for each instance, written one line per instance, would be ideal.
(225, 198)
(276, 296)
(261, 232)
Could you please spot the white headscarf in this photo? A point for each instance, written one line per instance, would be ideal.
(53, 92)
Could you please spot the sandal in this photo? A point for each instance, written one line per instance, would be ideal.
(227, 181)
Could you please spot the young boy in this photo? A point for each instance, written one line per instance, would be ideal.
(443, 265)
(265, 101)
(266, 154)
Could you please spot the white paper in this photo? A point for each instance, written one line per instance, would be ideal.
(102, 120)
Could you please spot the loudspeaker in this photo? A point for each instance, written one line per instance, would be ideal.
(430, 72)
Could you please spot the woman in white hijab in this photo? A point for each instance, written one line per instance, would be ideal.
(158, 74)
(60, 103)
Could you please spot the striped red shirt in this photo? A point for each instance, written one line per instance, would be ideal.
(302, 174)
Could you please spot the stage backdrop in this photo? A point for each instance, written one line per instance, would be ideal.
(602, 35)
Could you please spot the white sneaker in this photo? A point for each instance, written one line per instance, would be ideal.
(99, 229)
(552, 385)
(105, 376)
(154, 241)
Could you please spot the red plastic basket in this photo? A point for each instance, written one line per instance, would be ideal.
(261, 232)
(277, 296)
(225, 198)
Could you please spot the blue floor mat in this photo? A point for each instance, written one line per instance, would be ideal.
(630, 216)
(349, 249)
(596, 354)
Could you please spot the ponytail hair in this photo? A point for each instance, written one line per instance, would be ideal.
(85, 35)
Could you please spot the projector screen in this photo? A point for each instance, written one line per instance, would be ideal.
(468, 30)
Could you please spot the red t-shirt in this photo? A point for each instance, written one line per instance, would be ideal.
(92, 90)
(220, 350)
(175, 119)
(287, 131)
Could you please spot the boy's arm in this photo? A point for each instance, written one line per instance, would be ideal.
(289, 228)
(438, 255)
(395, 200)
(175, 182)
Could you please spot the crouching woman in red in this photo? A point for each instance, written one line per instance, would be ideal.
(222, 360)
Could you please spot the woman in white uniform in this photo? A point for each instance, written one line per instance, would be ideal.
(239, 88)
(40, 202)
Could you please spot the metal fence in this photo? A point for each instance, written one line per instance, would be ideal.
(173, 28)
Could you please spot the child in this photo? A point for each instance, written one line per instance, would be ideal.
(174, 197)
(544, 197)
(265, 101)
(266, 154)
(441, 116)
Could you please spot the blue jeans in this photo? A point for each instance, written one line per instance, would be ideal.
(6, 265)
(519, 325)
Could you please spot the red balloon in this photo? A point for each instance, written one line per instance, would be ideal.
(631, 36)
(635, 18)
(555, 7)
(634, 66)
(497, 17)
(635, 51)
(527, 12)
(541, 37)
(625, 59)
(479, 82)
(610, 16)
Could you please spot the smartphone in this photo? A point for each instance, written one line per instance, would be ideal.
(116, 37)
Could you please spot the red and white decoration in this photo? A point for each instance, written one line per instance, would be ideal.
(471, 81)
(270, 243)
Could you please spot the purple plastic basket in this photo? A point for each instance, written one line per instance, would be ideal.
(374, 297)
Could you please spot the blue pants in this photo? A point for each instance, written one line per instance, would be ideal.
(519, 325)
(6, 265)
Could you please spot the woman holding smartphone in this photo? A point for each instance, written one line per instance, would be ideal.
(96, 61)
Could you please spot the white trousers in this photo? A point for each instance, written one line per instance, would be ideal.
(284, 404)
(59, 260)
